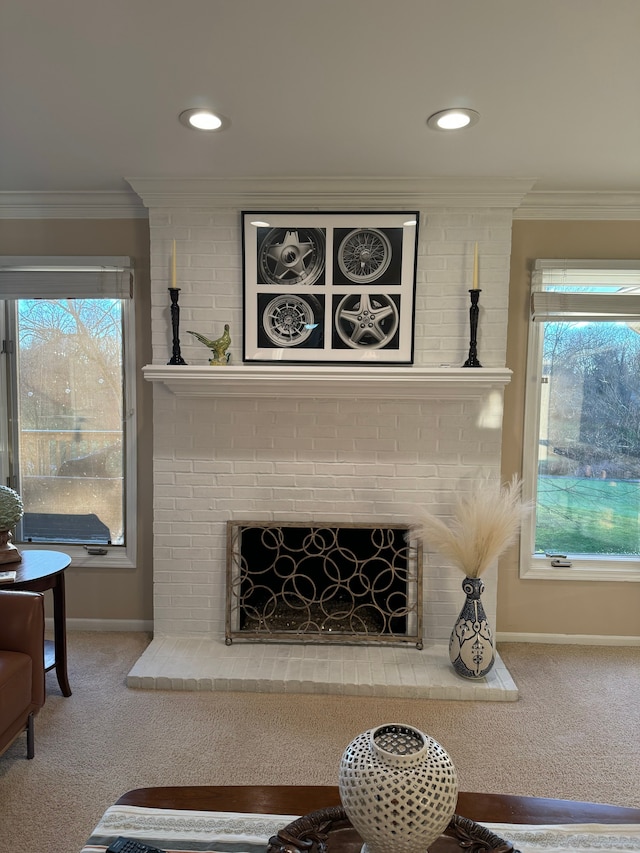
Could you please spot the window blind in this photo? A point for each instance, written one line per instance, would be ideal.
(588, 290)
(61, 277)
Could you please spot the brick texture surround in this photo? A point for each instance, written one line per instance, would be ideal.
(315, 459)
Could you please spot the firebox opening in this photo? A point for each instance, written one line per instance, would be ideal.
(323, 583)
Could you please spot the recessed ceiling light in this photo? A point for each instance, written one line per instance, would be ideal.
(201, 119)
(453, 119)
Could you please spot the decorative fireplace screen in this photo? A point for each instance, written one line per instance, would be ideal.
(323, 583)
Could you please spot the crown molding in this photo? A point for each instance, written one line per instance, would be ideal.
(331, 193)
(72, 205)
(323, 194)
(540, 204)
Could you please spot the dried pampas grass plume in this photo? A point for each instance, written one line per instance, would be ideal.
(486, 521)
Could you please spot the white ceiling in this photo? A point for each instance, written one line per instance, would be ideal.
(90, 90)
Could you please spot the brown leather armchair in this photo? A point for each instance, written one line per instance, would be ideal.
(22, 687)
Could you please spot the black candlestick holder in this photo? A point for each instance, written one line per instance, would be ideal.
(176, 358)
(472, 361)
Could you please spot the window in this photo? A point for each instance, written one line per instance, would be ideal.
(581, 462)
(68, 442)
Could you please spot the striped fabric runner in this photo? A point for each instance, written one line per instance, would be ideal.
(180, 831)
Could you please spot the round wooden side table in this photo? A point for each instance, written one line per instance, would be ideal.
(39, 571)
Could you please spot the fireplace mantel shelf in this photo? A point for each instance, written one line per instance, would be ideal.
(328, 381)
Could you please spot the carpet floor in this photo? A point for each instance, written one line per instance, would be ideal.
(573, 733)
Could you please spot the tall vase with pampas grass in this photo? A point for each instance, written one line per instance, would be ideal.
(486, 520)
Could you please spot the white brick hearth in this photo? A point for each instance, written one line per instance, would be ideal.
(244, 448)
(190, 663)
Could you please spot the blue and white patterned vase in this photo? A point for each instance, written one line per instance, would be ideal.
(471, 648)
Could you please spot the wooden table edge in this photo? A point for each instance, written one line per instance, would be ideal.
(302, 799)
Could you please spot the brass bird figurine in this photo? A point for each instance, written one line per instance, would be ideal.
(218, 347)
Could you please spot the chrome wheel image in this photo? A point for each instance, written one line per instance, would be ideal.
(364, 254)
(367, 321)
(288, 320)
(292, 256)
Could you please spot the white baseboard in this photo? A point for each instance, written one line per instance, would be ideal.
(105, 625)
(567, 639)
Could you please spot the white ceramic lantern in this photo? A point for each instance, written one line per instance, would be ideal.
(398, 787)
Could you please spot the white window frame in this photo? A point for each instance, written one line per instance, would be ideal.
(589, 307)
(31, 277)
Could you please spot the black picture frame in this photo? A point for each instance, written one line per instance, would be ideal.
(329, 287)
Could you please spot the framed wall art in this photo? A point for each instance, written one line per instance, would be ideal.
(329, 287)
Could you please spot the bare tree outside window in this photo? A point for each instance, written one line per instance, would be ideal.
(70, 419)
(589, 440)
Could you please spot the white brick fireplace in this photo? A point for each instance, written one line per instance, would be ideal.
(317, 444)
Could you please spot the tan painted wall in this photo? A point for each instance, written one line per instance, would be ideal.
(107, 593)
(553, 607)
(556, 607)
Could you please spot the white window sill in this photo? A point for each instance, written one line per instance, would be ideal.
(583, 570)
(115, 558)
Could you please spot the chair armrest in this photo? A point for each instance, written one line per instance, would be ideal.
(22, 630)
